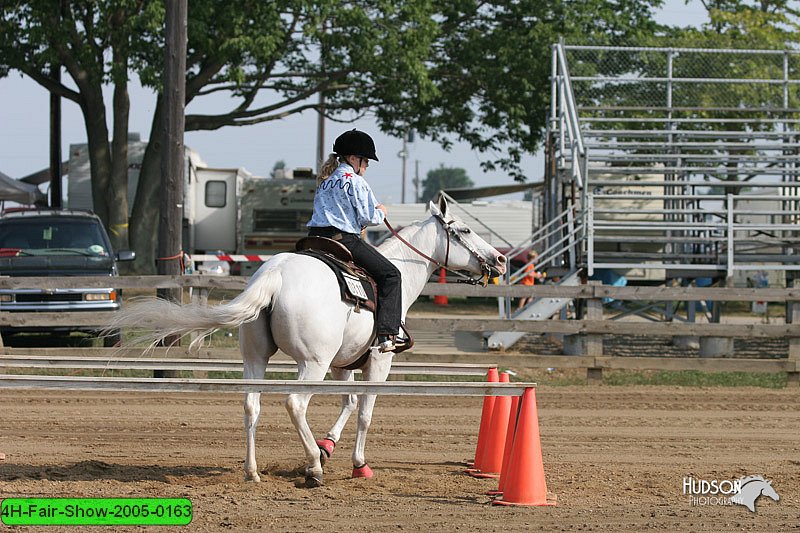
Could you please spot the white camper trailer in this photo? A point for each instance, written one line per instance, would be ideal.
(225, 209)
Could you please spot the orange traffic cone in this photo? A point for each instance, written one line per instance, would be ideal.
(491, 462)
(525, 483)
(486, 417)
(512, 427)
(439, 299)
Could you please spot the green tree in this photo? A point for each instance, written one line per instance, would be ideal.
(492, 69)
(465, 70)
(278, 168)
(93, 41)
(443, 178)
(739, 25)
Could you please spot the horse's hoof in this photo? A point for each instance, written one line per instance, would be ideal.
(255, 478)
(313, 481)
(362, 471)
(326, 447)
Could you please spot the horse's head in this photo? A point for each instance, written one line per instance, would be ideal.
(769, 491)
(460, 248)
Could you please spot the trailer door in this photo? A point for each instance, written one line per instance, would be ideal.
(215, 210)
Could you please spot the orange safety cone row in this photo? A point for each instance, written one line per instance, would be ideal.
(491, 461)
(525, 483)
(441, 299)
(512, 427)
(486, 417)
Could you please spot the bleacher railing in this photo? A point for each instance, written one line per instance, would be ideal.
(711, 134)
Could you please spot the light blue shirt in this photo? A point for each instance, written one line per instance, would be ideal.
(345, 201)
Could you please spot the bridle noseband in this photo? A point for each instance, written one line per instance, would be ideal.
(450, 231)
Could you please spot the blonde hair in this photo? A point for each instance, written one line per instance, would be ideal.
(327, 168)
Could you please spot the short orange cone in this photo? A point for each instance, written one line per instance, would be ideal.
(491, 462)
(440, 299)
(525, 483)
(512, 427)
(486, 417)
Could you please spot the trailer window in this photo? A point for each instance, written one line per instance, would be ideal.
(216, 193)
(270, 220)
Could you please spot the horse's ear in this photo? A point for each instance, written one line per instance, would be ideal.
(434, 209)
(443, 205)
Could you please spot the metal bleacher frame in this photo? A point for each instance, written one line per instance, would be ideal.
(676, 162)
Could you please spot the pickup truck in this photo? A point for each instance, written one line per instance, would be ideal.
(40, 242)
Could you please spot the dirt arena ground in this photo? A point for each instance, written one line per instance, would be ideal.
(614, 456)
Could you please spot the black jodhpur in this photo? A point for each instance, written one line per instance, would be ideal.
(381, 269)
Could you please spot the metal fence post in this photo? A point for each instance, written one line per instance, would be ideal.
(590, 233)
(730, 239)
(793, 377)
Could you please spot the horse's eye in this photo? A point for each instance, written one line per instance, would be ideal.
(465, 230)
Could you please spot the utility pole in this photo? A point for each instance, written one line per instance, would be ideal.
(55, 130)
(408, 137)
(321, 132)
(55, 141)
(404, 156)
(416, 181)
(321, 149)
(172, 165)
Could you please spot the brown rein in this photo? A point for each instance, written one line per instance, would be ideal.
(466, 279)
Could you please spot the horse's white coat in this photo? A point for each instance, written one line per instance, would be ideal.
(293, 303)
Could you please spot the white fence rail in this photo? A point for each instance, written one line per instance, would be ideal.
(398, 388)
(56, 362)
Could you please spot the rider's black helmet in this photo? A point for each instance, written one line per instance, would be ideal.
(355, 142)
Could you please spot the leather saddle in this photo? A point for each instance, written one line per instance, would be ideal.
(355, 284)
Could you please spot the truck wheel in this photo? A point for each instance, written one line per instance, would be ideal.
(113, 340)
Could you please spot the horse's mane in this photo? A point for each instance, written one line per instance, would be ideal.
(392, 246)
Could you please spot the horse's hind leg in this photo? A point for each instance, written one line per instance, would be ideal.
(297, 406)
(256, 346)
(349, 402)
(377, 369)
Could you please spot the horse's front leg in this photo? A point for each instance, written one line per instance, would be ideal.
(377, 369)
(297, 406)
(349, 402)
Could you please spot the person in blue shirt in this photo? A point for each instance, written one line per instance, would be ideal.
(344, 205)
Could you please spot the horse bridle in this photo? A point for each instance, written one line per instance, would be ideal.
(450, 231)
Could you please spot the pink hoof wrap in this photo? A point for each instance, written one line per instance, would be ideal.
(326, 445)
(362, 471)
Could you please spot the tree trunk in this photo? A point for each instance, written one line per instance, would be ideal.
(144, 218)
(94, 115)
(118, 185)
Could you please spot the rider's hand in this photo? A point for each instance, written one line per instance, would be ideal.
(382, 208)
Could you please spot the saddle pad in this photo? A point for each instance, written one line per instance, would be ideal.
(355, 285)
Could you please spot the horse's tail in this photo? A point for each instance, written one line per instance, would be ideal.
(164, 318)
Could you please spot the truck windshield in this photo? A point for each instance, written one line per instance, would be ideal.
(52, 237)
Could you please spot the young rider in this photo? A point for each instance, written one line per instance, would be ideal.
(344, 205)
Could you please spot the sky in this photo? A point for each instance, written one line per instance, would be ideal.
(24, 137)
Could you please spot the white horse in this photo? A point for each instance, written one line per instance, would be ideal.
(293, 303)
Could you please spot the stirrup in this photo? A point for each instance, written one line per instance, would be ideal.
(387, 345)
(402, 344)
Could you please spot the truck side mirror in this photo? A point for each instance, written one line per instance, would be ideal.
(126, 255)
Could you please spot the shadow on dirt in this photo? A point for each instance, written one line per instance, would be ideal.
(98, 470)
